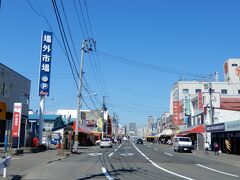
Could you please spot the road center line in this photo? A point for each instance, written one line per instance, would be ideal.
(217, 170)
(106, 174)
(159, 167)
(110, 155)
(168, 154)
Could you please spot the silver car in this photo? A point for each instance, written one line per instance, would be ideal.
(106, 142)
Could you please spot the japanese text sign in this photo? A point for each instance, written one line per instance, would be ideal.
(16, 119)
(45, 63)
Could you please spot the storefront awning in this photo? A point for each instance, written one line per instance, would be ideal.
(194, 129)
(82, 128)
(166, 132)
(230, 104)
(95, 133)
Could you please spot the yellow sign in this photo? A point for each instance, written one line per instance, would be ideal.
(3, 109)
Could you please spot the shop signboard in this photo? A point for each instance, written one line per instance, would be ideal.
(200, 101)
(187, 108)
(45, 63)
(215, 128)
(17, 113)
(176, 112)
(232, 126)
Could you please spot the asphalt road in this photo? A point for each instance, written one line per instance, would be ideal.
(129, 161)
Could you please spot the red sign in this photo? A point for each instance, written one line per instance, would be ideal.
(176, 113)
(200, 101)
(91, 123)
(237, 70)
(16, 124)
(16, 119)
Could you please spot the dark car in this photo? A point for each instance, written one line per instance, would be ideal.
(139, 141)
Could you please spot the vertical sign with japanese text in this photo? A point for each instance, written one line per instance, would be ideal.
(200, 101)
(45, 63)
(17, 113)
(176, 112)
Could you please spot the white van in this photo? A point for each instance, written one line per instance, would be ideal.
(182, 144)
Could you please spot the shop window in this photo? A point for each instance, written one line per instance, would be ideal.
(239, 91)
(224, 91)
(198, 91)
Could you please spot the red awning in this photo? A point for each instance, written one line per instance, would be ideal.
(230, 104)
(82, 128)
(194, 129)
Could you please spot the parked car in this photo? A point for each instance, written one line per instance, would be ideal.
(106, 142)
(97, 142)
(182, 144)
(139, 141)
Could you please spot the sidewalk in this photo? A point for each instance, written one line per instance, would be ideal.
(23, 163)
(229, 158)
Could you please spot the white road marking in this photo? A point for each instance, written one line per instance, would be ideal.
(159, 167)
(168, 154)
(126, 154)
(155, 149)
(106, 174)
(237, 164)
(110, 155)
(115, 150)
(95, 154)
(217, 170)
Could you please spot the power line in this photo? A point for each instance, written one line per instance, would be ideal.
(60, 25)
(69, 31)
(148, 66)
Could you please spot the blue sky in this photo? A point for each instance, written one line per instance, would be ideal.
(189, 36)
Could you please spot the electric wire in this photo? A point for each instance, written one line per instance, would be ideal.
(58, 21)
(69, 32)
(148, 66)
(63, 34)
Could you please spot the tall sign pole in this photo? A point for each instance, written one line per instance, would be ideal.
(44, 76)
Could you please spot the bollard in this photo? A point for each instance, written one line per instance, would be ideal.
(5, 172)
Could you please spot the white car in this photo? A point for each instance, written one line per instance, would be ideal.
(106, 142)
(182, 144)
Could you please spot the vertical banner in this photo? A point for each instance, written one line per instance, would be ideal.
(45, 63)
(176, 112)
(200, 101)
(17, 113)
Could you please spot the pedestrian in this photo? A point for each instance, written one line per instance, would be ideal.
(216, 148)
(206, 148)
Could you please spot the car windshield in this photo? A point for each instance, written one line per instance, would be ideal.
(106, 140)
(185, 139)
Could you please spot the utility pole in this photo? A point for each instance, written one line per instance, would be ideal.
(86, 47)
(211, 104)
(104, 109)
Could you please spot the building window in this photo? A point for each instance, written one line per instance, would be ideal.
(235, 64)
(223, 91)
(185, 91)
(198, 91)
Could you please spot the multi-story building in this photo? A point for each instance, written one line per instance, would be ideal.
(194, 104)
(132, 129)
(14, 88)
